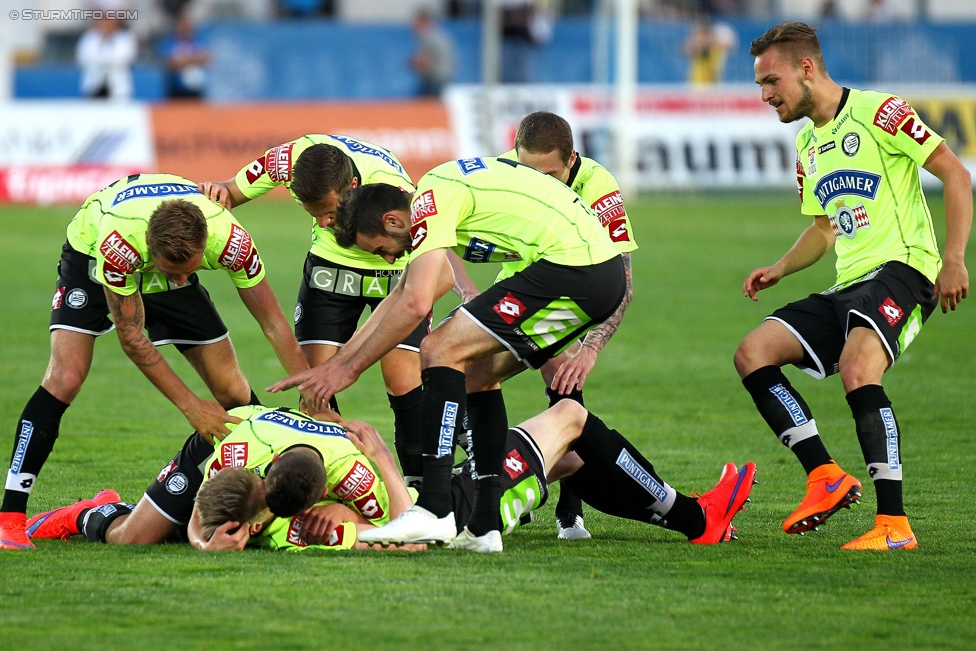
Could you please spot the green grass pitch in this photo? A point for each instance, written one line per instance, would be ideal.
(666, 381)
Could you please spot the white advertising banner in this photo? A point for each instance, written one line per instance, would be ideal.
(57, 152)
(717, 138)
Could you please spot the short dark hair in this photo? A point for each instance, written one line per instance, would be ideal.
(361, 211)
(542, 131)
(797, 40)
(177, 230)
(294, 482)
(319, 170)
(228, 496)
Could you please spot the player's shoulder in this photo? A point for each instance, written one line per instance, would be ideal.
(874, 109)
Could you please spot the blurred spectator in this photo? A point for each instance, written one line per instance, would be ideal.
(829, 10)
(105, 54)
(186, 61)
(707, 48)
(525, 25)
(881, 11)
(433, 60)
(306, 8)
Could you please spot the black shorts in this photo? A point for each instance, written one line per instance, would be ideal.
(524, 487)
(894, 299)
(176, 486)
(333, 297)
(185, 316)
(542, 309)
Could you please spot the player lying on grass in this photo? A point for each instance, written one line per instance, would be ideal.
(362, 487)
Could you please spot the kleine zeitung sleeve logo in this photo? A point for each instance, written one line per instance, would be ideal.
(423, 207)
(609, 207)
(237, 251)
(120, 254)
(891, 114)
(278, 163)
(357, 483)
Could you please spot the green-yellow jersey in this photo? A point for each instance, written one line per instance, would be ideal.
(266, 433)
(861, 171)
(371, 164)
(111, 227)
(286, 534)
(498, 210)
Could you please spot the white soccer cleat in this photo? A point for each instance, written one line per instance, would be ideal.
(490, 542)
(415, 525)
(571, 527)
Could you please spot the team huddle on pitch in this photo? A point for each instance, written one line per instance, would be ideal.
(308, 478)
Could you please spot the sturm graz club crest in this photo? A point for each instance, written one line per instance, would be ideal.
(851, 143)
(847, 221)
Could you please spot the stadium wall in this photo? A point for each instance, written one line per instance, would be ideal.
(723, 138)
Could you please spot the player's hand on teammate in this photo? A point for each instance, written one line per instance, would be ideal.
(574, 371)
(216, 192)
(320, 521)
(760, 279)
(230, 536)
(366, 439)
(318, 384)
(951, 286)
(210, 420)
(392, 547)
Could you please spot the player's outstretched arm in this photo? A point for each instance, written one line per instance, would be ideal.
(464, 287)
(371, 444)
(263, 305)
(320, 521)
(226, 193)
(205, 416)
(952, 284)
(574, 371)
(812, 244)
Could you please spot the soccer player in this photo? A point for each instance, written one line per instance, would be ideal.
(133, 251)
(544, 141)
(338, 284)
(277, 463)
(857, 175)
(487, 210)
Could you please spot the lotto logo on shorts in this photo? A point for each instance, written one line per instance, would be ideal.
(254, 170)
(423, 207)
(609, 207)
(514, 464)
(356, 483)
(891, 113)
(916, 130)
(278, 163)
(892, 313)
(119, 253)
(58, 297)
(164, 473)
(370, 507)
(234, 455)
(509, 308)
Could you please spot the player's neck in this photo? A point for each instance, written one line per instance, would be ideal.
(826, 100)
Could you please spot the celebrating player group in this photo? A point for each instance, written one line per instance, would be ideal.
(312, 478)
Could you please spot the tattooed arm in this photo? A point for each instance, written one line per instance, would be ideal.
(205, 416)
(574, 371)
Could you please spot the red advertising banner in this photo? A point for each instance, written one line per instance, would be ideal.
(207, 142)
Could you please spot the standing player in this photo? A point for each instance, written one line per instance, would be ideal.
(857, 174)
(545, 141)
(339, 283)
(133, 251)
(487, 210)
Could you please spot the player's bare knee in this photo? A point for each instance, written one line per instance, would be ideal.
(747, 357)
(64, 383)
(572, 413)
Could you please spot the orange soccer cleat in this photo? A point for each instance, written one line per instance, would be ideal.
(12, 535)
(890, 532)
(724, 501)
(62, 523)
(829, 489)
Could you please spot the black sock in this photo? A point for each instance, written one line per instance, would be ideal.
(880, 439)
(787, 414)
(94, 522)
(569, 504)
(575, 395)
(407, 431)
(37, 431)
(443, 407)
(488, 421)
(624, 476)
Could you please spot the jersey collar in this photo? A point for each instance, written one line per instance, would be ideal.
(576, 168)
(843, 102)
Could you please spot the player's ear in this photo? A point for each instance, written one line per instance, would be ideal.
(391, 218)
